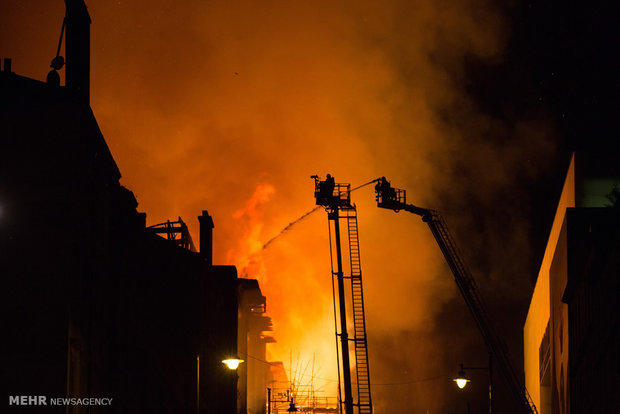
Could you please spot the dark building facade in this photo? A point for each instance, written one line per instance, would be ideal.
(254, 375)
(96, 305)
(592, 297)
(572, 333)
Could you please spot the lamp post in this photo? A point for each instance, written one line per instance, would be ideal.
(462, 379)
(232, 363)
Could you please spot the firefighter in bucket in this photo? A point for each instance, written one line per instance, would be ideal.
(324, 190)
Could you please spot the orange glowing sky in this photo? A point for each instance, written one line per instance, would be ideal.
(230, 107)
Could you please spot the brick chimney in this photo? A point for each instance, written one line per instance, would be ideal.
(77, 49)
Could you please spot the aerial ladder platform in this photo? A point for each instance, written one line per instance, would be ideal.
(336, 199)
(395, 199)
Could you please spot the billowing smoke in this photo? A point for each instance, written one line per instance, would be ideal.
(232, 106)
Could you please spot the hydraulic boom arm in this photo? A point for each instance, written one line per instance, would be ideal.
(395, 199)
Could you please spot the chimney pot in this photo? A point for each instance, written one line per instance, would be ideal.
(7, 65)
(206, 236)
(77, 49)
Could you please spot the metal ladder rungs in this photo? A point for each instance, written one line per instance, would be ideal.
(357, 300)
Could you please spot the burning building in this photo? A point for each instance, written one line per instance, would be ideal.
(572, 335)
(254, 375)
(97, 304)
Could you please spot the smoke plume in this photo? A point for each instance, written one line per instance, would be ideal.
(232, 106)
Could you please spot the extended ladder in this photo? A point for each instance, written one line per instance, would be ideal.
(336, 199)
(359, 321)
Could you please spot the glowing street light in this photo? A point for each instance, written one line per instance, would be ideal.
(233, 363)
(461, 380)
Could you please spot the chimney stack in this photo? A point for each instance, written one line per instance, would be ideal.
(206, 236)
(7, 65)
(77, 49)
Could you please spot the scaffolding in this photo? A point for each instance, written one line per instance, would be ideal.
(175, 231)
(306, 399)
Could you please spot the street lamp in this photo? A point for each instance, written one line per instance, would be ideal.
(462, 380)
(232, 363)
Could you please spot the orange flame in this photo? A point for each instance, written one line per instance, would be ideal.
(247, 255)
(297, 291)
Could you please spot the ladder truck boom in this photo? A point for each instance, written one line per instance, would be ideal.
(395, 199)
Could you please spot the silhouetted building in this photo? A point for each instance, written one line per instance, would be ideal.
(96, 305)
(255, 374)
(572, 332)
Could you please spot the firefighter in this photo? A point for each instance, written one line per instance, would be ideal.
(328, 186)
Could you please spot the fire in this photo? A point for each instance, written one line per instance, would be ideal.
(297, 290)
(248, 255)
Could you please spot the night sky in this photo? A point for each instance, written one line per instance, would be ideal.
(560, 68)
(473, 106)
